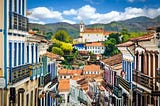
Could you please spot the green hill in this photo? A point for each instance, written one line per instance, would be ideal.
(138, 24)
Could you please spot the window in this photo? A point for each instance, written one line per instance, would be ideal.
(36, 53)
(32, 49)
(23, 7)
(10, 54)
(27, 53)
(15, 5)
(19, 7)
(15, 54)
(19, 54)
(22, 53)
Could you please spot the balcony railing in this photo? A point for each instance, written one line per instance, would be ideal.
(47, 79)
(19, 73)
(36, 70)
(143, 79)
(124, 83)
(117, 91)
(107, 85)
(18, 22)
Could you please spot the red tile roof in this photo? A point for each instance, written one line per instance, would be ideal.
(126, 44)
(52, 55)
(69, 72)
(64, 85)
(91, 67)
(94, 44)
(93, 30)
(116, 59)
(145, 37)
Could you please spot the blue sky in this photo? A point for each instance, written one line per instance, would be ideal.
(90, 11)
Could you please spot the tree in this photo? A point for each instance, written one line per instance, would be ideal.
(49, 35)
(66, 47)
(57, 50)
(125, 35)
(63, 36)
(111, 48)
(115, 36)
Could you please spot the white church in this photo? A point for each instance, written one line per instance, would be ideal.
(92, 34)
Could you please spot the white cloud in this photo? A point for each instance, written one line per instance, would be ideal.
(40, 13)
(86, 12)
(127, 14)
(68, 21)
(70, 12)
(38, 22)
(89, 14)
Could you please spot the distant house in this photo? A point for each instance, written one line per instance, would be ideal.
(64, 88)
(95, 47)
(92, 70)
(112, 67)
(79, 47)
(66, 74)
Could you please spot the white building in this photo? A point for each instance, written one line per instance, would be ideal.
(95, 47)
(92, 34)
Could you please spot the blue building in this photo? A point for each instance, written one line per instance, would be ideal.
(125, 79)
(79, 47)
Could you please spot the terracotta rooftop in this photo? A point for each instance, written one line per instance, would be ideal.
(145, 37)
(52, 55)
(69, 72)
(116, 59)
(91, 67)
(126, 44)
(93, 30)
(64, 85)
(94, 44)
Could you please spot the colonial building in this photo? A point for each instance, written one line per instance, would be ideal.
(125, 79)
(92, 70)
(92, 34)
(145, 75)
(78, 95)
(112, 68)
(64, 89)
(95, 47)
(67, 74)
(21, 85)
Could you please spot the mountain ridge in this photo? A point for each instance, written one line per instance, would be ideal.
(137, 24)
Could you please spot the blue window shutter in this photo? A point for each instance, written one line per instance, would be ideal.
(23, 53)
(36, 54)
(15, 54)
(32, 53)
(19, 54)
(27, 53)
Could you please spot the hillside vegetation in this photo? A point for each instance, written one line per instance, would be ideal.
(138, 24)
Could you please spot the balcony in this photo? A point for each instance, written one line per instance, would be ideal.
(19, 73)
(117, 91)
(18, 22)
(47, 79)
(81, 100)
(107, 85)
(124, 83)
(36, 70)
(143, 79)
